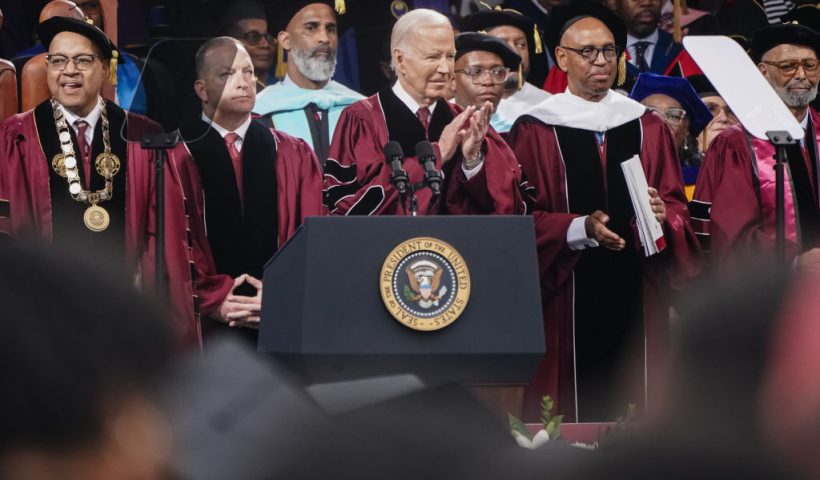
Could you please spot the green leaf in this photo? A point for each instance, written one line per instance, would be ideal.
(546, 409)
(408, 294)
(516, 425)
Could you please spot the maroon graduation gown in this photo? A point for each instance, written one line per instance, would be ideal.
(357, 178)
(545, 163)
(733, 208)
(26, 191)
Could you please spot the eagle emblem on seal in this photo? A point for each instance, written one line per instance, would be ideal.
(425, 281)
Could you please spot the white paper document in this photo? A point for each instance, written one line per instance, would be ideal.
(650, 230)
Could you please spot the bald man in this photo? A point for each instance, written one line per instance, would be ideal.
(593, 269)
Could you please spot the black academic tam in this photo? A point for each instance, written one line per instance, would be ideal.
(767, 38)
(473, 41)
(49, 29)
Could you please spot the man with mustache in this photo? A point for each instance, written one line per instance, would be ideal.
(520, 33)
(601, 296)
(650, 48)
(480, 173)
(306, 103)
(72, 173)
(252, 185)
(734, 203)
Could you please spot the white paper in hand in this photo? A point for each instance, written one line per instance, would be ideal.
(650, 230)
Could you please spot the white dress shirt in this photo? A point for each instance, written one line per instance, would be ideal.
(241, 131)
(91, 119)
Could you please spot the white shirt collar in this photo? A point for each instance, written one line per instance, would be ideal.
(805, 122)
(652, 39)
(288, 82)
(241, 131)
(406, 99)
(91, 119)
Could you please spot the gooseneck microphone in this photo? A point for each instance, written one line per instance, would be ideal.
(394, 156)
(427, 159)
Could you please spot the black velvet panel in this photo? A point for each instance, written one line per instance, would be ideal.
(68, 225)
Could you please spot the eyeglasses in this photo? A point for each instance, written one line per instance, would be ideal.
(674, 116)
(715, 110)
(497, 75)
(254, 37)
(789, 67)
(590, 54)
(81, 62)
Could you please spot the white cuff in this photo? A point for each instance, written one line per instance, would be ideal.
(577, 235)
(472, 173)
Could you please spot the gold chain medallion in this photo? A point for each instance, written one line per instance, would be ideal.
(425, 284)
(107, 164)
(96, 218)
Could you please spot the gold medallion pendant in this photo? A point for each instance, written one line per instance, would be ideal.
(96, 218)
(107, 162)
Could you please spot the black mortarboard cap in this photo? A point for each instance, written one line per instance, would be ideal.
(807, 15)
(280, 12)
(564, 16)
(474, 41)
(490, 18)
(702, 86)
(49, 29)
(769, 37)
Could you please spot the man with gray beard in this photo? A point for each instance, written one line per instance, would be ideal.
(306, 103)
(733, 210)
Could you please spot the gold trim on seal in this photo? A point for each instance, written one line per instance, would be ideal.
(456, 300)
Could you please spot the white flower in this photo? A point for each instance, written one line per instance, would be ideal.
(540, 438)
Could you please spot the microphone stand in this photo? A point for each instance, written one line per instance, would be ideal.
(161, 143)
(780, 139)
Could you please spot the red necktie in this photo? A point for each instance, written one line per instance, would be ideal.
(236, 160)
(85, 151)
(424, 118)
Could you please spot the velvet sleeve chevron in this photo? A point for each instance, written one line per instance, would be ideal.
(355, 177)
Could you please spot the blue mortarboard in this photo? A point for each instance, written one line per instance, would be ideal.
(679, 89)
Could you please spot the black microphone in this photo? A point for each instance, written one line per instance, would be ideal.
(427, 159)
(394, 156)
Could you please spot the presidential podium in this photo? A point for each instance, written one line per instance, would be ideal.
(451, 299)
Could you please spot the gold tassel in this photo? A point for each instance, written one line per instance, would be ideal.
(678, 34)
(622, 69)
(520, 76)
(539, 48)
(112, 68)
(340, 7)
(281, 66)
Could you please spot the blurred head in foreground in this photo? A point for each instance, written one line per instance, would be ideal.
(81, 355)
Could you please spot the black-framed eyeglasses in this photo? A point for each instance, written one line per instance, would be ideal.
(81, 62)
(674, 116)
(590, 54)
(254, 37)
(789, 67)
(497, 75)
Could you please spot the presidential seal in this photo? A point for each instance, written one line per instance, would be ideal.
(425, 284)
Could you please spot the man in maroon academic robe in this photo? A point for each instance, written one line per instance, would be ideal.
(43, 197)
(733, 209)
(480, 172)
(598, 290)
(253, 185)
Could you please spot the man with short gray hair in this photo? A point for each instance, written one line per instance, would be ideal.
(480, 173)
